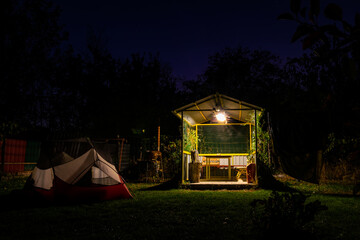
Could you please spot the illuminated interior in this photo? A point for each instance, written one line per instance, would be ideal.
(222, 131)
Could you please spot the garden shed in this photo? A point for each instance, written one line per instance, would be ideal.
(219, 140)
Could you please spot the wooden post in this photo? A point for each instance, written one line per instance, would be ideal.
(229, 168)
(319, 154)
(120, 150)
(158, 139)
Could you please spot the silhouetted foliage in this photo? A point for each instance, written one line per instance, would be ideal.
(46, 84)
(253, 75)
(331, 77)
(335, 55)
(285, 215)
(30, 36)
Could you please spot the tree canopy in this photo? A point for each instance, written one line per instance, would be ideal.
(46, 84)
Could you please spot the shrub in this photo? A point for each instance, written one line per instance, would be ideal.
(284, 215)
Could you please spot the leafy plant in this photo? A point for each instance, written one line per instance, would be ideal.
(8, 129)
(189, 137)
(264, 141)
(170, 155)
(318, 36)
(341, 146)
(284, 214)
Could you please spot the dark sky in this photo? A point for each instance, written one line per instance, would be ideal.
(184, 32)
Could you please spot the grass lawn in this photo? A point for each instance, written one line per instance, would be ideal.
(171, 214)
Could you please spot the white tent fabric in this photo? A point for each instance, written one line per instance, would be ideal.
(97, 173)
(43, 178)
(107, 168)
(72, 172)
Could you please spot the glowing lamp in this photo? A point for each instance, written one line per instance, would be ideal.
(220, 116)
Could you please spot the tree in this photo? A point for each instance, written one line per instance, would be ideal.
(329, 77)
(149, 92)
(335, 49)
(29, 37)
(125, 96)
(252, 76)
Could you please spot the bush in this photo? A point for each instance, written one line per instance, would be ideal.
(284, 215)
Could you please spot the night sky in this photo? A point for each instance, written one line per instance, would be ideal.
(185, 33)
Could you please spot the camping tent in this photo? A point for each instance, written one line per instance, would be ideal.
(87, 178)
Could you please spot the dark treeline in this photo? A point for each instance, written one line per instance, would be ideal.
(47, 85)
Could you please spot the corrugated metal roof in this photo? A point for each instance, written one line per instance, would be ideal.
(202, 111)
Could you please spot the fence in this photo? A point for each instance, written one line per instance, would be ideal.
(19, 155)
(22, 155)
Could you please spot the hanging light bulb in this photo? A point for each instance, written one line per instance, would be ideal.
(220, 116)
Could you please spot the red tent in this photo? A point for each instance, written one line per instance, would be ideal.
(87, 178)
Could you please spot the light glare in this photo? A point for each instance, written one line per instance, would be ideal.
(221, 117)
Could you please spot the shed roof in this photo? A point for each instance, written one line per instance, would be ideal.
(202, 111)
